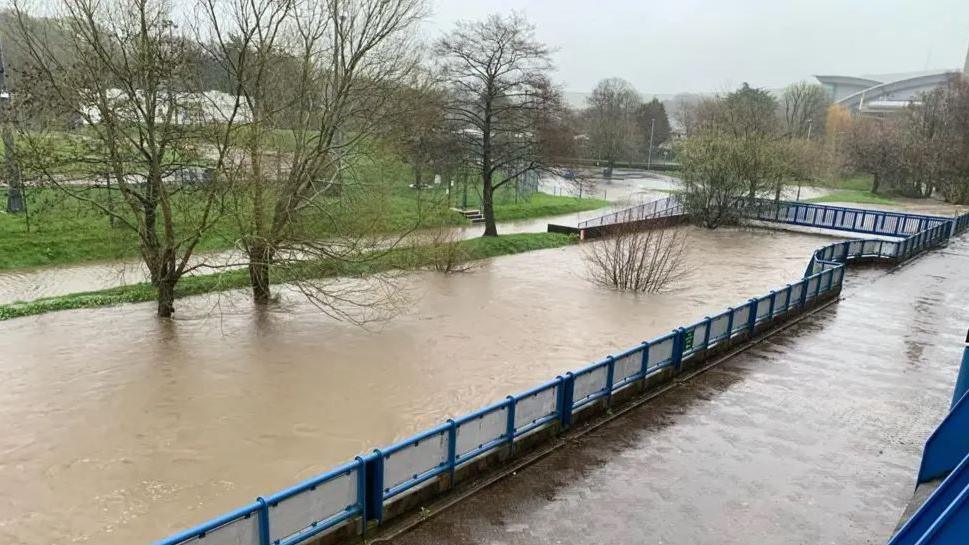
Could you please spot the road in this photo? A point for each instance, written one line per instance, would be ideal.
(811, 437)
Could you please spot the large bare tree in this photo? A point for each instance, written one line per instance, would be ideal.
(119, 69)
(500, 95)
(611, 120)
(804, 107)
(319, 78)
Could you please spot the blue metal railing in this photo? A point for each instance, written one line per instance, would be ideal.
(944, 517)
(357, 491)
(662, 208)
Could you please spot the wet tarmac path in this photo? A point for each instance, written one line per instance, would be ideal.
(811, 437)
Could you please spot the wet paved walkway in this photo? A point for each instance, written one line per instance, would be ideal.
(811, 437)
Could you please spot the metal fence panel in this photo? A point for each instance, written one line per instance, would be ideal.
(780, 301)
(718, 327)
(740, 317)
(313, 506)
(241, 531)
(839, 275)
(535, 407)
(661, 352)
(796, 291)
(590, 383)
(763, 307)
(812, 287)
(855, 247)
(870, 247)
(415, 460)
(627, 367)
(480, 431)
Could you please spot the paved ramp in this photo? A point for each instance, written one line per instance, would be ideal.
(811, 437)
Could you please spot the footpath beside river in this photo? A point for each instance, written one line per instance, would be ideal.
(813, 436)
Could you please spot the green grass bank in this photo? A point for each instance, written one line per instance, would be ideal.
(470, 250)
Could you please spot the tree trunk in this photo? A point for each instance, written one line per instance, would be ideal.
(876, 181)
(259, 259)
(488, 209)
(166, 297)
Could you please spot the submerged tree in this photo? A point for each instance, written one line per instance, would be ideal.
(319, 82)
(120, 69)
(500, 95)
(632, 258)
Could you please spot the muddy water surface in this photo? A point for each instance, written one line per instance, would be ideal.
(119, 428)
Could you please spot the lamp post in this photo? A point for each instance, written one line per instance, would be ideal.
(15, 194)
(649, 156)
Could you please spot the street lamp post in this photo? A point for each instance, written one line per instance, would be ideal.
(649, 156)
(15, 194)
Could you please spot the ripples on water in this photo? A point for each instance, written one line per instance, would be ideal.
(120, 428)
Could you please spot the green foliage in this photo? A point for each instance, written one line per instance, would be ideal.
(65, 231)
(472, 249)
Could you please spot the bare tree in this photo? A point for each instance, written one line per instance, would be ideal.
(611, 120)
(319, 79)
(500, 94)
(119, 68)
(637, 259)
(804, 107)
(873, 146)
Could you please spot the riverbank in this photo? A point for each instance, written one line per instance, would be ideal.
(403, 259)
(67, 233)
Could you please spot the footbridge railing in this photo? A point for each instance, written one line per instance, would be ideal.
(944, 517)
(389, 481)
(670, 206)
(856, 220)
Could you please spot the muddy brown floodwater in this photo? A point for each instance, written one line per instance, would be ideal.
(119, 429)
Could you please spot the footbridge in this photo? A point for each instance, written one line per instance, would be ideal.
(782, 419)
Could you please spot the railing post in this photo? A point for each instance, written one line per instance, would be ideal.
(510, 429)
(706, 335)
(730, 323)
(362, 492)
(566, 389)
(263, 521)
(962, 381)
(452, 448)
(644, 366)
(787, 305)
(610, 377)
(678, 348)
(752, 317)
(804, 287)
(374, 504)
(770, 309)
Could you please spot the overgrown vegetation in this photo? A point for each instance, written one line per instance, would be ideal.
(400, 259)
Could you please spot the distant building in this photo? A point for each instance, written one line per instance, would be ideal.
(885, 94)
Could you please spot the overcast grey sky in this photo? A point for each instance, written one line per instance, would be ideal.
(674, 46)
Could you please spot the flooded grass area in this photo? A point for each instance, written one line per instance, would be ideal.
(120, 428)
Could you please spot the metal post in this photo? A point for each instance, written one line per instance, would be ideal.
(510, 431)
(752, 317)
(644, 369)
(263, 521)
(962, 381)
(649, 159)
(566, 390)
(15, 195)
(374, 504)
(610, 378)
(678, 348)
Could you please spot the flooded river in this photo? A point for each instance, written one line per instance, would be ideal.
(119, 428)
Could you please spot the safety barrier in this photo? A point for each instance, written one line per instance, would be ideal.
(357, 493)
(856, 220)
(944, 517)
(670, 206)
